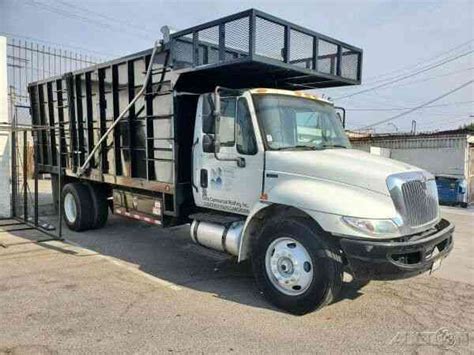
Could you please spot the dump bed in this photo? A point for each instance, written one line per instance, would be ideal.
(150, 150)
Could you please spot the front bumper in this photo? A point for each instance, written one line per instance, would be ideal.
(400, 258)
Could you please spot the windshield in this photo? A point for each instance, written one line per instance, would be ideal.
(290, 122)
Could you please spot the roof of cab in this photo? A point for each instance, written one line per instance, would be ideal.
(290, 93)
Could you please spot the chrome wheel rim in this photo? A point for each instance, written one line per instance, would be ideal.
(70, 209)
(289, 266)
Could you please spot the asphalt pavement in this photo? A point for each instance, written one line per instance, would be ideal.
(131, 287)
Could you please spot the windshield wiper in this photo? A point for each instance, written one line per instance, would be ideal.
(296, 147)
(333, 146)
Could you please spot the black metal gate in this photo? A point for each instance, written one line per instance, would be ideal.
(34, 197)
(35, 201)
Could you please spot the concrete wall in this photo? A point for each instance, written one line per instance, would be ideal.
(5, 164)
(440, 156)
(444, 161)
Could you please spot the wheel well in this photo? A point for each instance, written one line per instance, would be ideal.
(258, 220)
(71, 179)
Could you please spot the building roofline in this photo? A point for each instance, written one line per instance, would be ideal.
(386, 136)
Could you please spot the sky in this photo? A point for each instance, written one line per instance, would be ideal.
(399, 38)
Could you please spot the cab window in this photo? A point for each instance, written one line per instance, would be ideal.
(207, 116)
(227, 123)
(235, 126)
(245, 136)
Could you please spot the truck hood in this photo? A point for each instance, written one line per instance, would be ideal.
(347, 166)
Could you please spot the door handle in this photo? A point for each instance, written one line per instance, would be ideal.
(241, 162)
(203, 178)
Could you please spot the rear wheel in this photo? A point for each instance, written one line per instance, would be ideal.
(76, 206)
(99, 197)
(294, 268)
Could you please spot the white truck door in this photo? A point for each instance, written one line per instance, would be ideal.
(219, 183)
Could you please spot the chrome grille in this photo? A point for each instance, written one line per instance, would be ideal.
(421, 201)
(415, 197)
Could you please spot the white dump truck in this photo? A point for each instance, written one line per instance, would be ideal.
(210, 128)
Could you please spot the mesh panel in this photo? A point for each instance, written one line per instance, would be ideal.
(269, 39)
(349, 63)
(301, 49)
(327, 57)
(237, 38)
(183, 51)
(229, 55)
(209, 45)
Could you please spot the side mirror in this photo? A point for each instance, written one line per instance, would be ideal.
(216, 113)
(212, 143)
(208, 145)
(341, 114)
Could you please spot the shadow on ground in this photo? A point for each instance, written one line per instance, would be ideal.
(169, 254)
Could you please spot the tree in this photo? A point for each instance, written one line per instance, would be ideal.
(468, 126)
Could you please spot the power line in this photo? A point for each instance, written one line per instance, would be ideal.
(406, 76)
(62, 45)
(431, 114)
(453, 120)
(65, 13)
(419, 106)
(426, 61)
(429, 78)
(444, 122)
(109, 18)
(433, 77)
(408, 108)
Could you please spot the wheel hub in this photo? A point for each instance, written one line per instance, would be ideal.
(289, 266)
(70, 209)
(285, 266)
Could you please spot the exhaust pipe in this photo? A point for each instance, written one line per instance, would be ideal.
(217, 236)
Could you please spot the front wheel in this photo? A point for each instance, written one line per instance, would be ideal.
(294, 268)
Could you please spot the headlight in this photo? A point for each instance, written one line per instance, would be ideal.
(377, 227)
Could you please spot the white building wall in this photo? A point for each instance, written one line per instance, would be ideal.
(5, 165)
(438, 155)
(442, 161)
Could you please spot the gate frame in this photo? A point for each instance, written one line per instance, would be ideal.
(15, 129)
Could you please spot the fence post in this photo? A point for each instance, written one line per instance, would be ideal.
(13, 151)
(5, 151)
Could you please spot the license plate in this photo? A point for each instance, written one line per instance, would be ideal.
(436, 263)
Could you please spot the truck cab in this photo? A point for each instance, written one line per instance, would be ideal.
(281, 161)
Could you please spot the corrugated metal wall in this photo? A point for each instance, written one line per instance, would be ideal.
(443, 155)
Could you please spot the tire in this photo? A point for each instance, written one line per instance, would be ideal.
(464, 204)
(100, 203)
(319, 266)
(76, 204)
